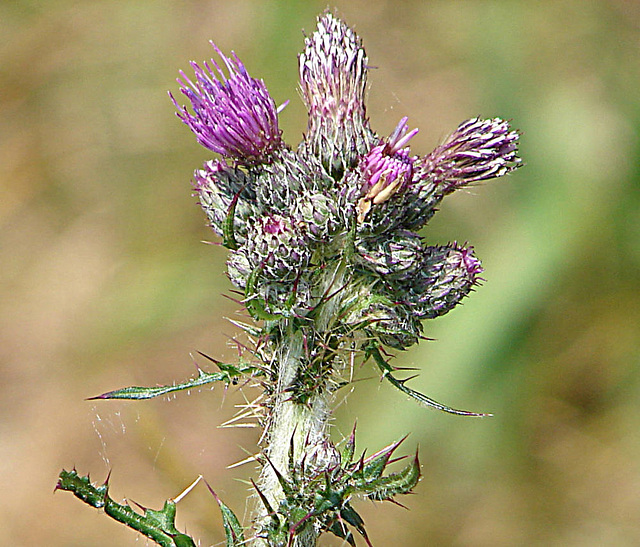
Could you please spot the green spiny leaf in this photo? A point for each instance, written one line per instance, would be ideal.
(349, 514)
(82, 488)
(402, 482)
(251, 330)
(158, 526)
(327, 501)
(372, 350)
(232, 527)
(274, 529)
(227, 374)
(375, 464)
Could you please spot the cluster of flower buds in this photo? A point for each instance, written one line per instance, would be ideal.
(286, 213)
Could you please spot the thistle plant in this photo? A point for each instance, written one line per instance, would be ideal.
(328, 261)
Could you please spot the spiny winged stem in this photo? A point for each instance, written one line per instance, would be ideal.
(299, 418)
(293, 424)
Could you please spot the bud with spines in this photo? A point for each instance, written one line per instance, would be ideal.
(396, 258)
(478, 150)
(279, 183)
(319, 213)
(278, 246)
(384, 171)
(333, 79)
(447, 274)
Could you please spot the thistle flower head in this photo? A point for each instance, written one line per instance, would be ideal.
(233, 115)
(278, 246)
(320, 214)
(478, 150)
(448, 273)
(333, 78)
(321, 457)
(396, 258)
(386, 169)
(279, 184)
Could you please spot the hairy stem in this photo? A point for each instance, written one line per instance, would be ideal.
(295, 424)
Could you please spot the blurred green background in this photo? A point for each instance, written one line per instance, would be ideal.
(105, 281)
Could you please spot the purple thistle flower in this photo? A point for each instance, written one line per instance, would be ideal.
(477, 150)
(386, 169)
(234, 116)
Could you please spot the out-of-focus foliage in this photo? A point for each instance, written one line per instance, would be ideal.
(104, 281)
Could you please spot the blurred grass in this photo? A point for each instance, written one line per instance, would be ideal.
(104, 281)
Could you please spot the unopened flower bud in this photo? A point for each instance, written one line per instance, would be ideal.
(397, 257)
(279, 183)
(278, 246)
(386, 169)
(319, 213)
(333, 78)
(217, 186)
(447, 275)
(322, 457)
